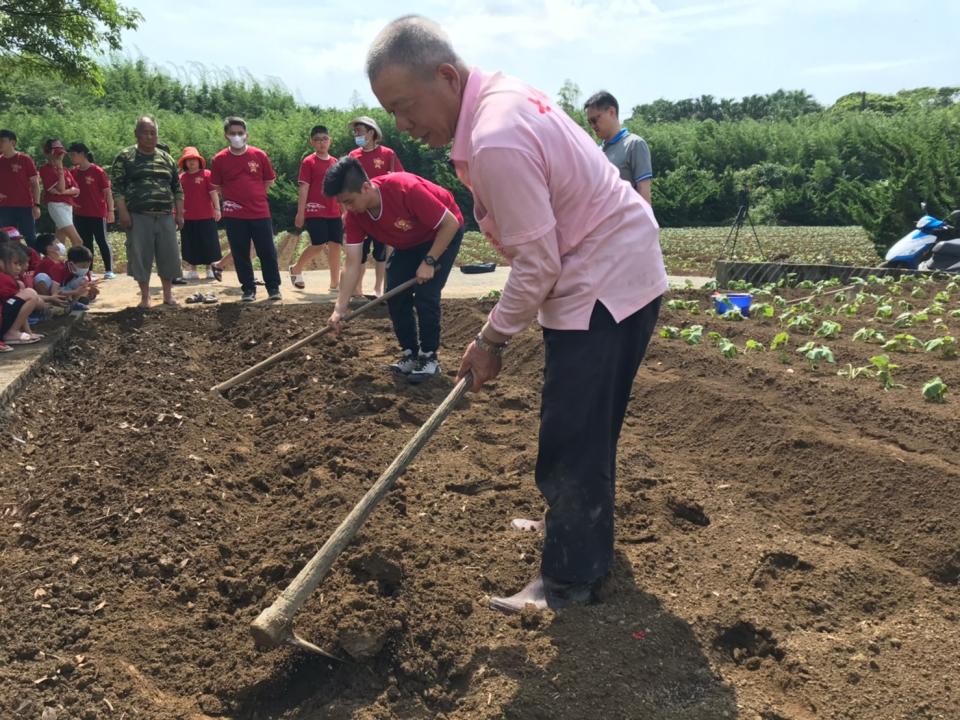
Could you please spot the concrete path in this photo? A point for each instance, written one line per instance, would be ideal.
(122, 292)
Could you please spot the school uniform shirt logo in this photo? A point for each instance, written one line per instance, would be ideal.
(314, 207)
(404, 225)
(254, 166)
(15, 168)
(88, 180)
(230, 206)
(198, 180)
(378, 163)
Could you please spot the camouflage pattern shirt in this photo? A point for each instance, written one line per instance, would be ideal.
(147, 183)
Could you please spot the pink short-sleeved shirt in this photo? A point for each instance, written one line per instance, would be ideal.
(556, 207)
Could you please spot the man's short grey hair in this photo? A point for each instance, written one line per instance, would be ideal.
(145, 120)
(411, 41)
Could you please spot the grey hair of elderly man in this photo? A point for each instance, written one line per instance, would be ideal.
(418, 77)
(145, 120)
(411, 41)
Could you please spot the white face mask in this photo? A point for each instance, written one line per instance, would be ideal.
(81, 271)
(61, 248)
(237, 141)
(360, 140)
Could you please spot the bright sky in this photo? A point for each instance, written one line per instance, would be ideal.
(640, 50)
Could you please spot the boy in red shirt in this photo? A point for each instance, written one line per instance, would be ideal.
(376, 160)
(19, 188)
(199, 239)
(424, 226)
(242, 174)
(319, 213)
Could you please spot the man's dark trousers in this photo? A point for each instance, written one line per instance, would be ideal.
(588, 375)
(22, 219)
(425, 299)
(240, 233)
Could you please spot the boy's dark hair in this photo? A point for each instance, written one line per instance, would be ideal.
(48, 145)
(79, 254)
(233, 120)
(346, 176)
(45, 240)
(8, 134)
(79, 147)
(601, 101)
(13, 251)
(319, 130)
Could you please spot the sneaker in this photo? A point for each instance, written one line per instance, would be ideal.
(274, 295)
(109, 275)
(249, 297)
(427, 366)
(405, 365)
(79, 307)
(192, 275)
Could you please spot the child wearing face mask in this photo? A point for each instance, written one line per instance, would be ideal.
(376, 160)
(242, 174)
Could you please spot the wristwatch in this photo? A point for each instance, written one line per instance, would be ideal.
(487, 346)
(430, 261)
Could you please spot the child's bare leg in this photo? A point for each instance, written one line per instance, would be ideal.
(21, 324)
(308, 254)
(380, 268)
(69, 233)
(358, 291)
(333, 259)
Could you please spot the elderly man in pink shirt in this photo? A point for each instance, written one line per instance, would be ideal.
(584, 260)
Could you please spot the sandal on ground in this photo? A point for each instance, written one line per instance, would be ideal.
(209, 299)
(195, 298)
(217, 272)
(22, 339)
(5, 348)
(296, 279)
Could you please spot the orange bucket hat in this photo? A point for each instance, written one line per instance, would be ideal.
(191, 153)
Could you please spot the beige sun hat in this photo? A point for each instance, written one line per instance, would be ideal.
(369, 122)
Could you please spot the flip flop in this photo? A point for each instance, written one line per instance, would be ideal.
(24, 339)
(217, 272)
(5, 348)
(209, 299)
(196, 298)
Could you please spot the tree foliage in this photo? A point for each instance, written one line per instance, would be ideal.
(862, 163)
(62, 37)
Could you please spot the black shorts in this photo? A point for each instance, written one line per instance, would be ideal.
(11, 308)
(379, 250)
(324, 230)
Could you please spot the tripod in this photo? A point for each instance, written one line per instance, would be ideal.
(743, 213)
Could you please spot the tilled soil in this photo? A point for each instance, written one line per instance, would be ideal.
(787, 539)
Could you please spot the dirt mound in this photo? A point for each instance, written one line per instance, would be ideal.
(786, 538)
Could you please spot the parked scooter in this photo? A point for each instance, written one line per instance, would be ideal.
(932, 246)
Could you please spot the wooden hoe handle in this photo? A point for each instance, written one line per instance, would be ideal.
(274, 625)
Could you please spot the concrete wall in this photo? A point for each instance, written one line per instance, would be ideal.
(763, 273)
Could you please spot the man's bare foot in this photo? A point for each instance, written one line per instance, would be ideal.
(144, 304)
(525, 525)
(545, 593)
(170, 301)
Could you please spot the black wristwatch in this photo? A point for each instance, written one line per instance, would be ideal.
(430, 260)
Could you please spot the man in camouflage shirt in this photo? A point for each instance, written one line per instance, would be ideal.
(149, 203)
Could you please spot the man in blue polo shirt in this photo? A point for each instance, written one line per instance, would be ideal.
(627, 151)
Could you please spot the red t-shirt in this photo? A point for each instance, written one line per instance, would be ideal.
(8, 287)
(379, 161)
(49, 178)
(411, 208)
(56, 269)
(240, 179)
(197, 187)
(92, 182)
(15, 174)
(313, 170)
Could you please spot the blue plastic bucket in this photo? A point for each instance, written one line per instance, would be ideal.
(741, 301)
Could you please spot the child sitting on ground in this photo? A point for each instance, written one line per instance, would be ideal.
(69, 279)
(17, 301)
